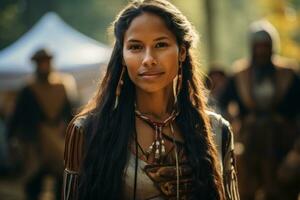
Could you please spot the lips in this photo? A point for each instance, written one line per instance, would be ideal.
(150, 74)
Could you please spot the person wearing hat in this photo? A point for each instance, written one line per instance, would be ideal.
(42, 112)
(266, 92)
(42, 59)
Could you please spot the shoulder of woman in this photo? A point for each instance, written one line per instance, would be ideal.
(217, 118)
(223, 135)
(219, 124)
(75, 143)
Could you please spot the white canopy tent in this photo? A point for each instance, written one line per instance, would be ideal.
(73, 52)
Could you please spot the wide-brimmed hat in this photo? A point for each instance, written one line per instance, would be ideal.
(41, 54)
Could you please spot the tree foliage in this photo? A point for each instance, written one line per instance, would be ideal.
(285, 16)
(92, 17)
(225, 34)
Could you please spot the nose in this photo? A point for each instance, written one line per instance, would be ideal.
(149, 58)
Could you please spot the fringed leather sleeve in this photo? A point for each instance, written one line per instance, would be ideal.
(74, 148)
(229, 166)
(223, 138)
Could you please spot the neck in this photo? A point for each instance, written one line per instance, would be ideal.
(157, 105)
(44, 80)
(258, 62)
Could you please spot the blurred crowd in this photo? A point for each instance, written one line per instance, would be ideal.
(260, 99)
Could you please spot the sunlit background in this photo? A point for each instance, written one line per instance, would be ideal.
(221, 24)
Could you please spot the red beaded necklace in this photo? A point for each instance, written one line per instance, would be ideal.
(158, 145)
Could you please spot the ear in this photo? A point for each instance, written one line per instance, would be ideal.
(182, 53)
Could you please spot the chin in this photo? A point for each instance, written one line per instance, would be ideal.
(149, 88)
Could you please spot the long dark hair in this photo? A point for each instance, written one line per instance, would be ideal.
(110, 131)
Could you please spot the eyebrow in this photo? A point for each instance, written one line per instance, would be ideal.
(157, 39)
(161, 38)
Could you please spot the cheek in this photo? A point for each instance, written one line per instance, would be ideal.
(132, 64)
(132, 73)
(170, 61)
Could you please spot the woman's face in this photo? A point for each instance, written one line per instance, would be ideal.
(151, 53)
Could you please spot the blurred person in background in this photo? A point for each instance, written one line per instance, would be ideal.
(289, 173)
(42, 112)
(216, 82)
(267, 95)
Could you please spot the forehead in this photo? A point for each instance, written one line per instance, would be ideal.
(148, 26)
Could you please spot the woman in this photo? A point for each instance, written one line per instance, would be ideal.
(146, 134)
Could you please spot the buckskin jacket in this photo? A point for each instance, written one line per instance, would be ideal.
(154, 182)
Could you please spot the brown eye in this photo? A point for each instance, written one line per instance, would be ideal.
(135, 47)
(161, 45)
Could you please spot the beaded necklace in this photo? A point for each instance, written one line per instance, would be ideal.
(158, 145)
